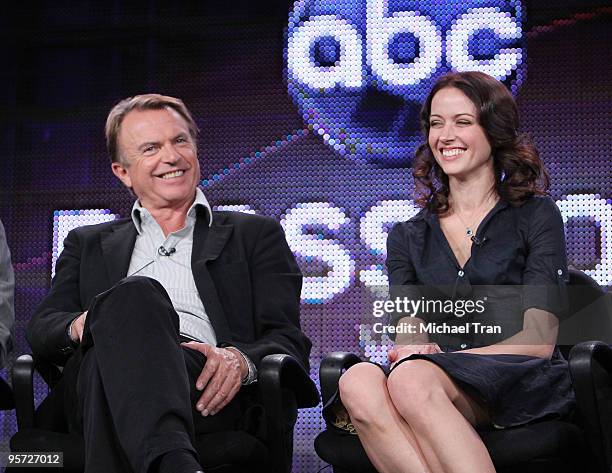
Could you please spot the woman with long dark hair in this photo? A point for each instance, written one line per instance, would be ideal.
(485, 220)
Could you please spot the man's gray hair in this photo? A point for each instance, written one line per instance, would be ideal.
(142, 102)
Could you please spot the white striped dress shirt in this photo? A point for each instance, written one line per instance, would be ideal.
(174, 271)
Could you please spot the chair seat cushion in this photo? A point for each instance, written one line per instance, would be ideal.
(344, 451)
(231, 448)
(558, 440)
(547, 445)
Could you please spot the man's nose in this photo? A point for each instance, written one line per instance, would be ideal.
(170, 154)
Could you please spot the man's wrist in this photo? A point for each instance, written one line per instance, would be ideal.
(241, 360)
(73, 341)
(251, 374)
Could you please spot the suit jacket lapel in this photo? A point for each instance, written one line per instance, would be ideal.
(117, 248)
(208, 242)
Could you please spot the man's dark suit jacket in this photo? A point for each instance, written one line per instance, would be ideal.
(246, 275)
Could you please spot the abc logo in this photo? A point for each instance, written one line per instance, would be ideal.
(359, 70)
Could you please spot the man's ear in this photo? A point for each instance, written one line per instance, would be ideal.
(121, 172)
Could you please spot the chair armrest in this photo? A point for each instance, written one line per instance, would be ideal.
(23, 390)
(283, 383)
(590, 365)
(49, 372)
(332, 367)
(283, 371)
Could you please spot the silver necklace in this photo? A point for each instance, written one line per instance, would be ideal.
(468, 228)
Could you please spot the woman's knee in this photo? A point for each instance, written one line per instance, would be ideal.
(362, 389)
(415, 387)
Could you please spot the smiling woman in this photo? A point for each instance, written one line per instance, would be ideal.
(474, 109)
(484, 222)
(459, 144)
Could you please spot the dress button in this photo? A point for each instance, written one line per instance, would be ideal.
(464, 345)
(560, 272)
(460, 273)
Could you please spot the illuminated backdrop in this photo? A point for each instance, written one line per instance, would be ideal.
(308, 112)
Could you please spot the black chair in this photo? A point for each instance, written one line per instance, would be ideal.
(582, 445)
(284, 387)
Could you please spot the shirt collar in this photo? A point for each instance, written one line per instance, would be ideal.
(139, 213)
(433, 218)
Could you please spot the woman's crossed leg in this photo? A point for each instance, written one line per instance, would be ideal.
(416, 420)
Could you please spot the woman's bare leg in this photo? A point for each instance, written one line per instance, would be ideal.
(386, 437)
(441, 415)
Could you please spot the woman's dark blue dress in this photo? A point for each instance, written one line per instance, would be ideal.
(520, 247)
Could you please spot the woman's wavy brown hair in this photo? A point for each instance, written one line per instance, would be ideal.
(519, 171)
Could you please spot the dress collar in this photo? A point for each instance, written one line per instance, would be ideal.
(433, 219)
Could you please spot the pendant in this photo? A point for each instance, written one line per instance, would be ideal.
(469, 231)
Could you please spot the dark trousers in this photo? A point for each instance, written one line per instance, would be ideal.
(130, 388)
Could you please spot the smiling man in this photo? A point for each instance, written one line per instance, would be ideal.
(163, 318)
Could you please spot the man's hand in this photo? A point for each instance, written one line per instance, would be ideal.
(77, 326)
(221, 377)
(399, 352)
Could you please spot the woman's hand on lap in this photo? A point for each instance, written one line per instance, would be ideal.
(399, 352)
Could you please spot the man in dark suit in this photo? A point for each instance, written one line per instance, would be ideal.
(164, 317)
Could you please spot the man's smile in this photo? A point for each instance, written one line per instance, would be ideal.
(172, 174)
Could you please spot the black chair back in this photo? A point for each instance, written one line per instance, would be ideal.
(590, 313)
